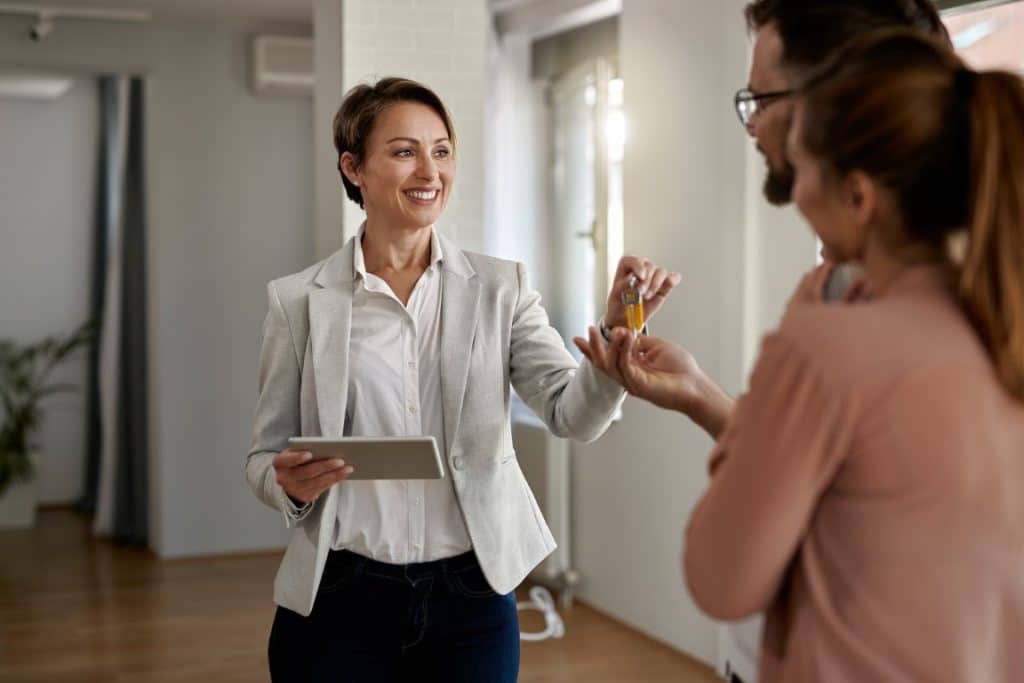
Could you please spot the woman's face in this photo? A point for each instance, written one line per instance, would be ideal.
(828, 204)
(408, 169)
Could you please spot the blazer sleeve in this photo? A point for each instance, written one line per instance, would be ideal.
(574, 401)
(781, 450)
(277, 410)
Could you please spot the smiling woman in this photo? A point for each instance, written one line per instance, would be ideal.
(363, 128)
(401, 333)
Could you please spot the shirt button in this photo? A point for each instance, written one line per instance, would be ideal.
(412, 409)
(412, 365)
(457, 462)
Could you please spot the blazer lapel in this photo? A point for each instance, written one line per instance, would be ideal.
(330, 323)
(460, 311)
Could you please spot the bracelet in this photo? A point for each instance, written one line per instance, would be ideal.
(607, 334)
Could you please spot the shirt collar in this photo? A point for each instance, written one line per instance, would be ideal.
(359, 261)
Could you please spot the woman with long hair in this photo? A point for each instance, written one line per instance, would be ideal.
(868, 491)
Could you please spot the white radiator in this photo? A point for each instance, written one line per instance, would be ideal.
(544, 459)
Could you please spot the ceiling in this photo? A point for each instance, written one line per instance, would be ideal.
(990, 38)
(280, 10)
(541, 18)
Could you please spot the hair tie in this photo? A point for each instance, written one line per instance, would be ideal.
(964, 81)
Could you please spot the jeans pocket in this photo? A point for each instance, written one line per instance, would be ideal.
(472, 583)
(337, 576)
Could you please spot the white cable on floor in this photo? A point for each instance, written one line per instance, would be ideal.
(541, 600)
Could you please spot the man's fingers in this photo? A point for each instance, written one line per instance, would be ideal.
(641, 345)
(618, 336)
(623, 347)
(627, 363)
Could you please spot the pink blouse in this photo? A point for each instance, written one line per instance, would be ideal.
(868, 493)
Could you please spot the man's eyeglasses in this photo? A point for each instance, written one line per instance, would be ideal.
(748, 103)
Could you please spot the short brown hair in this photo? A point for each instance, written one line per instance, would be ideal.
(948, 143)
(359, 111)
(811, 29)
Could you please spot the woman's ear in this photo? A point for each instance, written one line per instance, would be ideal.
(347, 165)
(861, 197)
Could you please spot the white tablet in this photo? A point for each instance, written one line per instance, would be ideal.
(378, 457)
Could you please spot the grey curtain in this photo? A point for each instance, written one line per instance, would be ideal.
(117, 434)
(97, 295)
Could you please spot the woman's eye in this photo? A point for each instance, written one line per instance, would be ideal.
(403, 153)
(443, 153)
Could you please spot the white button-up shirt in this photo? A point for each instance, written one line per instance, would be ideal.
(395, 390)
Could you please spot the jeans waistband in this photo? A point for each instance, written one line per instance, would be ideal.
(416, 570)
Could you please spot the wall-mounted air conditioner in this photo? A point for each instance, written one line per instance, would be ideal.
(282, 65)
(30, 85)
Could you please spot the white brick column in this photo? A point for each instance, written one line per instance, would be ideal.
(441, 43)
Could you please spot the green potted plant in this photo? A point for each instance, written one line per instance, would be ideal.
(24, 384)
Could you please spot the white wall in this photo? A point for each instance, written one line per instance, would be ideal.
(47, 188)
(519, 222)
(517, 167)
(328, 193)
(782, 248)
(230, 207)
(557, 54)
(687, 202)
(441, 43)
(692, 201)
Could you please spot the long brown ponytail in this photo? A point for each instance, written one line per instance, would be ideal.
(992, 275)
(948, 142)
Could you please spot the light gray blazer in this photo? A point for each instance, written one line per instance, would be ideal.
(493, 331)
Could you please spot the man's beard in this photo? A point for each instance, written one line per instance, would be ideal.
(778, 184)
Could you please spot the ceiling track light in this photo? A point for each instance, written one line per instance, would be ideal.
(46, 16)
(42, 28)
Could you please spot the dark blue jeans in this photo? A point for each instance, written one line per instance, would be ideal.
(435, 621)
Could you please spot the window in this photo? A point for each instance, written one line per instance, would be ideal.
(588, 139)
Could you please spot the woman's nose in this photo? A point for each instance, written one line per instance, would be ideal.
(427, 167)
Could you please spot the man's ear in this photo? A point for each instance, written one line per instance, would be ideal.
(348, 166)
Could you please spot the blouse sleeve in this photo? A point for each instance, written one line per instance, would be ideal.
(779, 453)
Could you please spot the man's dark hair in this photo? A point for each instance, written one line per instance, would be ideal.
(812, 29)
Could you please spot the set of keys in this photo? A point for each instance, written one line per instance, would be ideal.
(634, 303)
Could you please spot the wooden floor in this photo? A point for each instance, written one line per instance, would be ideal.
(76, 610)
